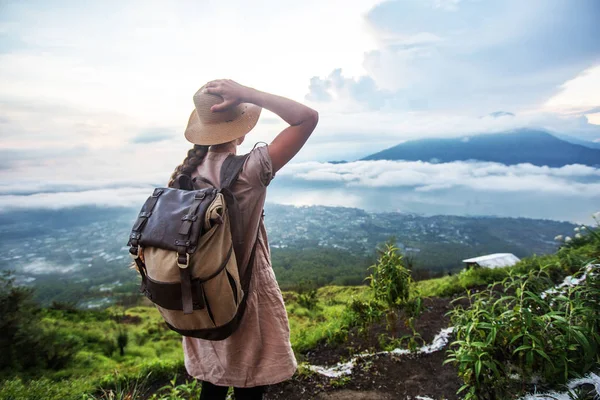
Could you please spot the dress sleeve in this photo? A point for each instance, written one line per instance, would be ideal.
(259, 169)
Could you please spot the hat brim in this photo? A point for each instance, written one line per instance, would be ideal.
(222, 132)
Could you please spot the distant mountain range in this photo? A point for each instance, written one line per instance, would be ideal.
(522, 146)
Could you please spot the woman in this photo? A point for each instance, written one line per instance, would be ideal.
(258, 353)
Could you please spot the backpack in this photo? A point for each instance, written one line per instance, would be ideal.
(186, 246)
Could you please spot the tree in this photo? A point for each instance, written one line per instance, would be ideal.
(19, 324)
(24, 343)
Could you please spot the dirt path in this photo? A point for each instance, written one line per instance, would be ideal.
(432, 320)
(386, 376)
(382, 376)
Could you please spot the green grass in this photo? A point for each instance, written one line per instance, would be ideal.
(566, 261)
(151, 347)
(326, 320)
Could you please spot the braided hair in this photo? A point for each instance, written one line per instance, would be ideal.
(194, 157)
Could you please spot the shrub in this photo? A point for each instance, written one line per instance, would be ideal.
(363, 314)
(122, 339)
(109, 346)
(58, 348)
(390, 282)
(307, 295)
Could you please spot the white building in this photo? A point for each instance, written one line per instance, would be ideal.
(493, 260)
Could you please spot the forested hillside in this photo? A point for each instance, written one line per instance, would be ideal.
(80, 256)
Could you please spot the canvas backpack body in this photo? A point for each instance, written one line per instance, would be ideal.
(185, 243)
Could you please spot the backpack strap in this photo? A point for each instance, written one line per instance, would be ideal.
(183, 252)
(136, 234)
(184, 182)
(203, 179)
(231, 168)
(230, 171)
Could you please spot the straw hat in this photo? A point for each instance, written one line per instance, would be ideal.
(207, 128)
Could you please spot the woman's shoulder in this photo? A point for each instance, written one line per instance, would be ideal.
(258, 169)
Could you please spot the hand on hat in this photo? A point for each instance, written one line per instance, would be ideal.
(232, 93)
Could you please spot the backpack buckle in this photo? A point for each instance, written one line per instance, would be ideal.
(134, 252)
(183, 260)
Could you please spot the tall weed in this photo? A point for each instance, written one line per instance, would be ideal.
(390, 282)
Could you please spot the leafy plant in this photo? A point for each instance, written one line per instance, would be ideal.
(307, 295)
(390, 282)
(340, 381)
(520, 331)
(413, 341)
(364, 313)
(184, 391)
(126, 388)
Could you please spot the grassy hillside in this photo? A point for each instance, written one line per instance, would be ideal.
(64, 353)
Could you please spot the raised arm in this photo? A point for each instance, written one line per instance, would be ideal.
(302, 119)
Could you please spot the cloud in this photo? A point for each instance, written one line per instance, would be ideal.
(74, 169)
(578, 95)
(152, 135)
(362, 90)
(459, 188)
(36, 122)
(14, 160)
(421, 176)
(319, 89)
(569, 193)
(43, 186)
(102, 106)
(499, 114)
(122, 197)
(473, 56)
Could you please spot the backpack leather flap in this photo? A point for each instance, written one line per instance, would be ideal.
(172, 219)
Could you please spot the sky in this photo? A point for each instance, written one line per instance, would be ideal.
(94, 96)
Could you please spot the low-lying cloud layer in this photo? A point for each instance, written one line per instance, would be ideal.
(121, 197)
(460, 188)
(577, 180)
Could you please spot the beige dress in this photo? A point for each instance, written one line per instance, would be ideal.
(259, 352)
